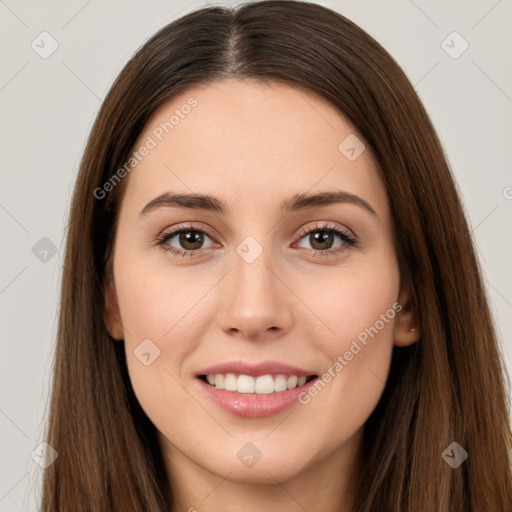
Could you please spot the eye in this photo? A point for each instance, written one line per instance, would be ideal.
(189, 238)
(322, 239)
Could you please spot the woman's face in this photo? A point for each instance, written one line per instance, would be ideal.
(260, 275)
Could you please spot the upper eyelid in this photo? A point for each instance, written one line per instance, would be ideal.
(172, 232)
(328, 226)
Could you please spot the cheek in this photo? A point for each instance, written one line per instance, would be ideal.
(360, 310)
(165, 314)
(352, 301)
(159, 303)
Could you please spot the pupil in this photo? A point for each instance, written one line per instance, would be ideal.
(322, 237)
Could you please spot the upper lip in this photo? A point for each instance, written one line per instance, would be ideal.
(255, 369)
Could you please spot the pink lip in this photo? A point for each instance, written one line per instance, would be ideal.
(256, 369)
(251, 405)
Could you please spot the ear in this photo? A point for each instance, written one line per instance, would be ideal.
(112, 313)
(407, 324)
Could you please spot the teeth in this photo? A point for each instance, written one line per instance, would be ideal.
(292, 381)
(245, 384)
(280, 383)
(230, 382)
(219, 381)
(262, 385)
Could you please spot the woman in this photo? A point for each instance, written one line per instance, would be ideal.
(270, 295)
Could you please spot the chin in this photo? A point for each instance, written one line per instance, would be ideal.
(273, 465)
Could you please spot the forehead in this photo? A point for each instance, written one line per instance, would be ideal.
(253, 141)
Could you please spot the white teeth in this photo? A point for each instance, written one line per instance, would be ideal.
(230, 382)
(280, 383)
(245, 384)
(262, 385)
(292, 382)
(219, 381)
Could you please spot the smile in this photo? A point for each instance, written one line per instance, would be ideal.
(257, 385)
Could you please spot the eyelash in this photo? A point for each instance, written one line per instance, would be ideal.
(348, 239)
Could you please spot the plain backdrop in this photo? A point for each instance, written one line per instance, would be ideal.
(48, 106)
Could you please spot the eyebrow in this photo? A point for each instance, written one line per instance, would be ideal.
(295, 203)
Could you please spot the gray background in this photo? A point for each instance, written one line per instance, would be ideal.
(48, 107)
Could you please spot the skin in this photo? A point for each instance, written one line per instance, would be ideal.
(254, 145)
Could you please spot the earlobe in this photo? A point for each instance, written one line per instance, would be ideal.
(112, 314)
(407, 324)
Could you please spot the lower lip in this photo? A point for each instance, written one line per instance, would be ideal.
(254, 406)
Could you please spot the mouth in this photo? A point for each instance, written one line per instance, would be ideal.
(254, 396)
(266, 384)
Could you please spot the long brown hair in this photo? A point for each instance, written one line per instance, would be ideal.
(450, 386)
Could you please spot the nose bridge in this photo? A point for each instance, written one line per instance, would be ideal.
(254, 297)
(252, 272)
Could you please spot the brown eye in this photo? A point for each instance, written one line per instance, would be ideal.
(187, 241)
(191, 239)
(322, 239)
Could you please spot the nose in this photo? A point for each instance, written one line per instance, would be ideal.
(256, 300)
